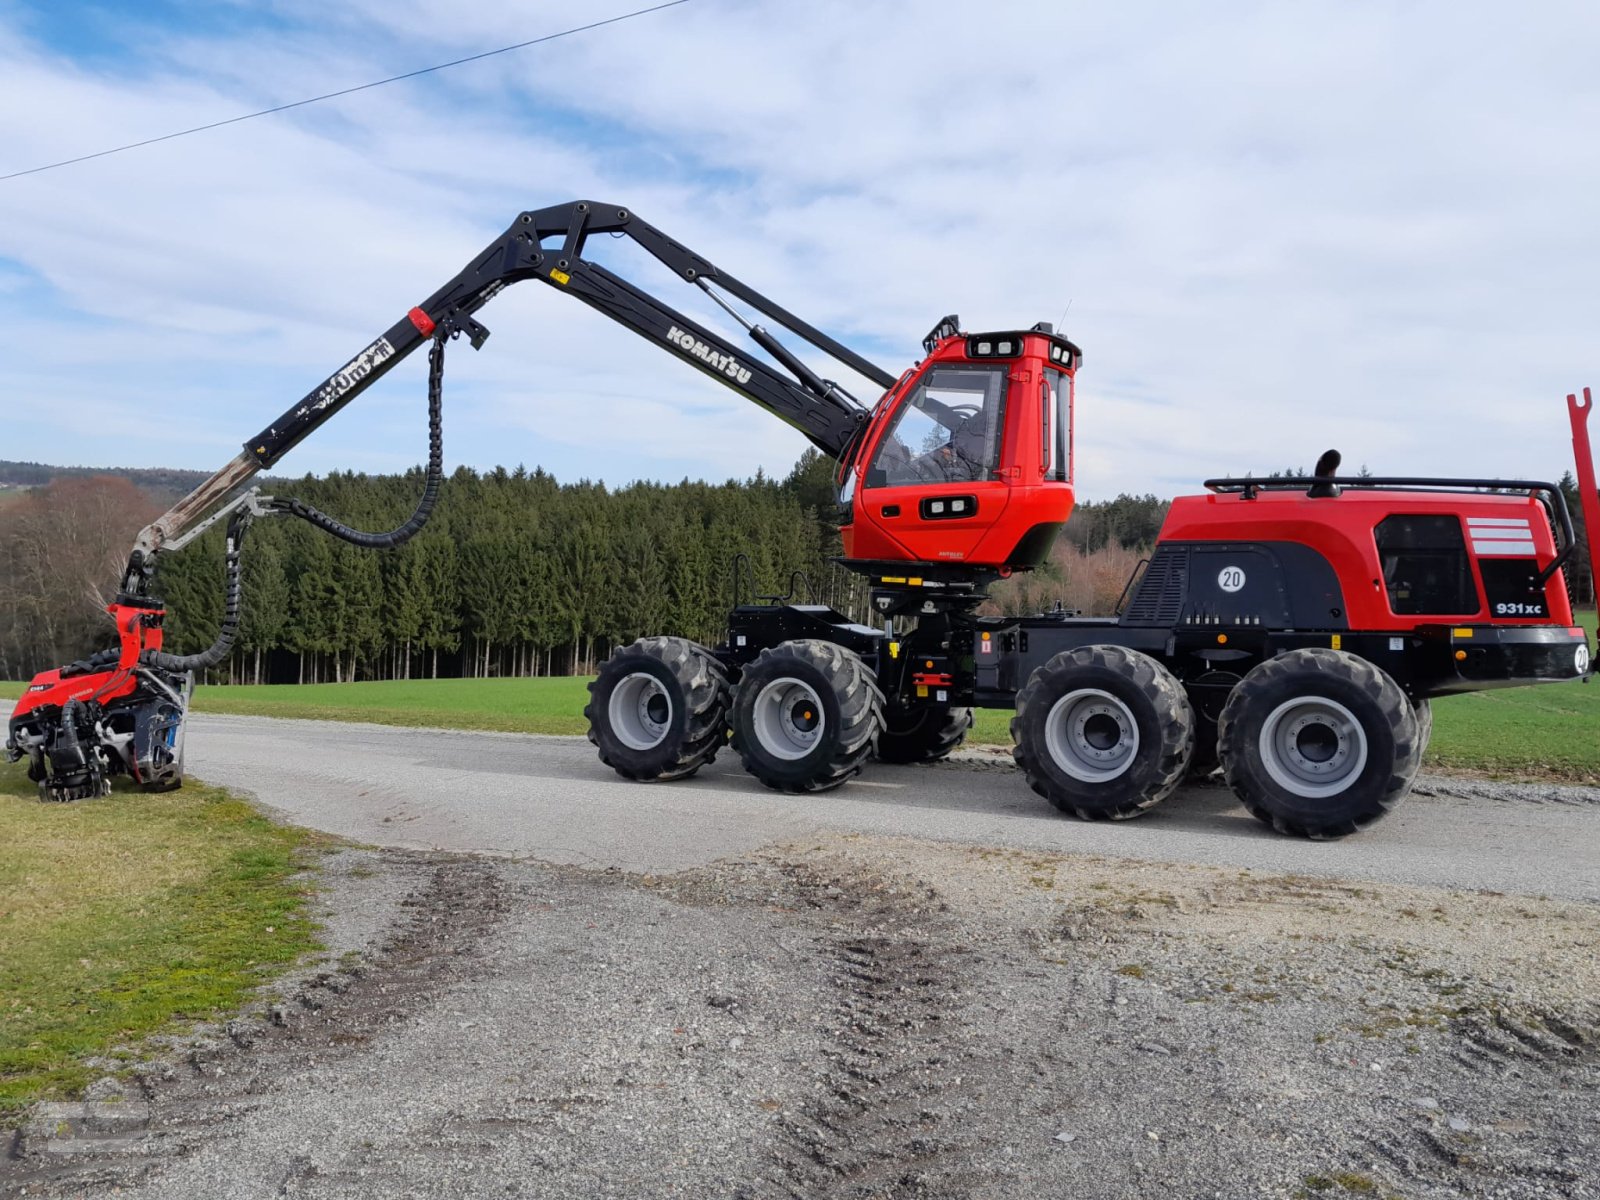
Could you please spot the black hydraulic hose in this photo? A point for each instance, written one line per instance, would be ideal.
(430, 490)
(232, 604)
(68, 750)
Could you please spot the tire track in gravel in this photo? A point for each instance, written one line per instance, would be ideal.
(222, 1076)
(1515, 1047)
(882, 1124)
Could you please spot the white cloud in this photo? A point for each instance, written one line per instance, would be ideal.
(1278, 228)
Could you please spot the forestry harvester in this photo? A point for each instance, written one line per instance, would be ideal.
(1289, 631)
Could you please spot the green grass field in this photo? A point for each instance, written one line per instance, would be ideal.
(119, 917)
(1551, 732)
(509, 705)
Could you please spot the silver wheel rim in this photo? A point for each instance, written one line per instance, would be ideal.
(641, 711)
(1313, 747)
(1091, 735)
(788, 719)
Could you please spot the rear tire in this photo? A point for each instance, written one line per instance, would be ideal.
(658, 710)
(922, 735)
(1103, 732)
(806, 716)
(1319, 743)
(1424, 725)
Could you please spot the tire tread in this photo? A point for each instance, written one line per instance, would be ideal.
(1158, 686)
(1366, 677)
(860, 702)
(706, 698)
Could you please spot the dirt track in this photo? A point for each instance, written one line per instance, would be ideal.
(861, 1017)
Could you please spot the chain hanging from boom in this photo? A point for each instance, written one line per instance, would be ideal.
(430, 492)
(240, 520)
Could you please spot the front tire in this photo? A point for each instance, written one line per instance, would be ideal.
(1103, 732)
(1319, 743)
(806, 716)
(658, 710)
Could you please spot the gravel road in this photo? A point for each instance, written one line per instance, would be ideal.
(543, 982)
(549, 798)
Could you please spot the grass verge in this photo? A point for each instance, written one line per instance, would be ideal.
(122, 916)
(553, 705)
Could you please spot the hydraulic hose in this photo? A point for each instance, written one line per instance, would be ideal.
(232, 603)
(67, 753)
(430, 490)
(240, 521)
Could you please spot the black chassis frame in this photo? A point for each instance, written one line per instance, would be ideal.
(1421, 660)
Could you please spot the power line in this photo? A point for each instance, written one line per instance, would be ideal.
(265, 112)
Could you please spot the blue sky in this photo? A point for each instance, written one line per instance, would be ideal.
(1278, 228)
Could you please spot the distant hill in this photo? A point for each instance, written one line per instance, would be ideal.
(163, 483)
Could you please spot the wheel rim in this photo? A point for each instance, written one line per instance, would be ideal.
(641, 711)
(788, 719)
(1313, 747)
(1091, 735)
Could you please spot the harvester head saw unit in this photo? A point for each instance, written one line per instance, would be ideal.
(105, 715)
(121, 711)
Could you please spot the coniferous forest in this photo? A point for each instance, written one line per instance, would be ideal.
(516, 574)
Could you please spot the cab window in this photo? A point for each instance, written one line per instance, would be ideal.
(1056, 398)
(1425, 567)
(948, 430)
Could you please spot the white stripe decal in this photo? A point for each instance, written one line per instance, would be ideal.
(1520, 548)
(1494, 521)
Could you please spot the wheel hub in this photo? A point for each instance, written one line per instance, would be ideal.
(1313, 747)
(1101, 731)
(640, 710)
(788, 720)
(1091, 735)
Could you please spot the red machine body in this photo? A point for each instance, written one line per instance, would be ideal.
(1449, 557)
(967, 460)
(104, 677)
(111, 713)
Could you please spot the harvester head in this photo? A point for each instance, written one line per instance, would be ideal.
(105, 715)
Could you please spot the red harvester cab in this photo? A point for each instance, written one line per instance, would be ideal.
(968, 458)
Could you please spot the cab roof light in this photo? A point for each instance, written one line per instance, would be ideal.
(990, 346)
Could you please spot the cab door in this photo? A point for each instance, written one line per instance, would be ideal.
(934, 484)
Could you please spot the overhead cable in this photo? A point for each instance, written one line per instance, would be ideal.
(265, 112)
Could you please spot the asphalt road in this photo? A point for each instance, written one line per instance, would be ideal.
(549, 799)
